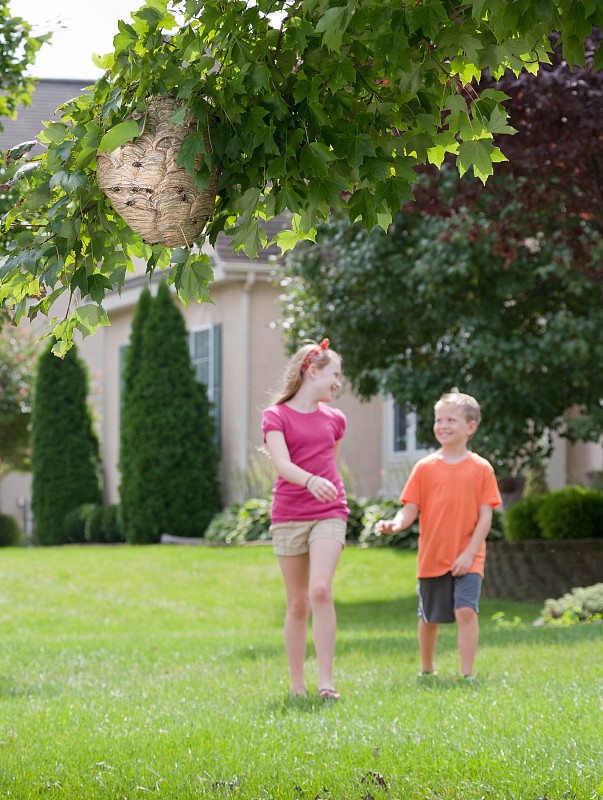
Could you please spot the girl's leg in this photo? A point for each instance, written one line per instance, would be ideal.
(324, 555)
(428, 637)
(296, 571)
(467, 636)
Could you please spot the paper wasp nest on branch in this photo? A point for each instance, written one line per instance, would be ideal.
(153, 195)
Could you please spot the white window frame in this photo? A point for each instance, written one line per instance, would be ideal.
(209, 385)
(413, 451)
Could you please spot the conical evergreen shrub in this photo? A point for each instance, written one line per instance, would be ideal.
(169, 474)
(65, 459)
(133, 485)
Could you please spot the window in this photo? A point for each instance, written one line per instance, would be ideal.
(206, 356)
(201, 356)
(406, 426)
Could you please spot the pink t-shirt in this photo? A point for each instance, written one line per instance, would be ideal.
(311, 442)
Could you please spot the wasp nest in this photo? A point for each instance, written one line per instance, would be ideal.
(153, 195)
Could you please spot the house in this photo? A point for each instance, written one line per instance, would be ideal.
(237, 348)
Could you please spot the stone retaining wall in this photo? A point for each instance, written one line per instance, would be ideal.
(535, 570)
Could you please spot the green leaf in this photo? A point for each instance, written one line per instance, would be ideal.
(89, 318)
(314, 159)
(498, 122)
(180, 255)
(56, 132)
(69, 180)
(248, 203)
(123, 132)
(445, 143)
(62, 346)
(477, 9)
(476, 154)
(359, 148)
(410, 80)
(19, 150)
(426, 17)
(362, 205)
(98, 286)
(287, 239)
(179, 116)
(191, 279)
(247, 236)
(331, 27)
(103, 62)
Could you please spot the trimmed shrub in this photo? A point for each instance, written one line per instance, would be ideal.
(356, 518)
(93, 524)
(496, 530)
(65, 459)
(168, 460)
(74, 524)
(571, 513)
(249, 522)
(520, 521)
(223, 526)
(535, 481)
(10, 532)
(110, 528)
(374, 510)
(579, 605)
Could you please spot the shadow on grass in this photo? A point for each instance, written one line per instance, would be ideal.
(309, 704)
(11, 688)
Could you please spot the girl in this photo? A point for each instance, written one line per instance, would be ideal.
(309, 509)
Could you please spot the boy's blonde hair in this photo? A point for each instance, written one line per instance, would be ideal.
(467, 404)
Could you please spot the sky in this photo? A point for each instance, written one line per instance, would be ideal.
(80, 28)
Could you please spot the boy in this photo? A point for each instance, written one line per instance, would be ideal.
(454, 490)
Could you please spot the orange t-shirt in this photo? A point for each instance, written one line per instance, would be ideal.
(449, 497)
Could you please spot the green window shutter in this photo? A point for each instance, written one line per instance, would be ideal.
(216, 393)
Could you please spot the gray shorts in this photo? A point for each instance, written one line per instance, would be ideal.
(293, 538)
(440, 597)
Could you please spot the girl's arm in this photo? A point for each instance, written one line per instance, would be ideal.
(320, 487)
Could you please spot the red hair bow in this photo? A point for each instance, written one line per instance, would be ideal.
(311, 355)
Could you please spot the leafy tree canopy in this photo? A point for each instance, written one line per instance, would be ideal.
(17, 366)
(18, 49)
(418, 311)
(552, 184)
(310, 105)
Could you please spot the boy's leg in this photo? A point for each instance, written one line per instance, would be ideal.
(296, 571)
(428, 637)
(435, 607)
(468, 635)
(467, 590)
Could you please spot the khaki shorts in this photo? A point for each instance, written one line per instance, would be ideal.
(293, 538)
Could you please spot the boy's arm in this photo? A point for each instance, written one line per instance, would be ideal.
(404, 517)
(463, 563)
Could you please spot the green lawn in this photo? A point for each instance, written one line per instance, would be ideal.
(159, 672)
